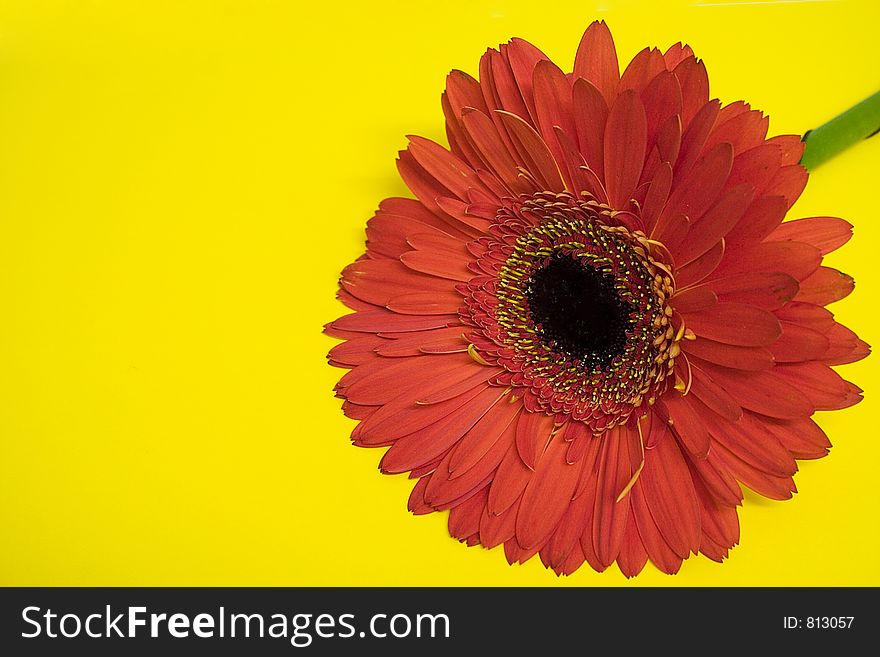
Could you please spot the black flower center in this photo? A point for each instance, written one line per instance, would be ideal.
(577, 311)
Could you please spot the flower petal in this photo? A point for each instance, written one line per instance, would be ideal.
(825, 285)
(728, 355)
(669, 492)
(633, 556)
(712, 226)
(590, 116)
(763, 392)
(422, 446)
(596, 60)
(796, 259)
(547, 495)
(824, 387)
(798, 343)
(825, 233)
(533, 434)
(735, 323)
(694, 81)
(624, 148)
(609, 514)
(767, 290)
(534, 150)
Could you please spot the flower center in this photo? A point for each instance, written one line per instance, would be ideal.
(575, 307)
(578, 312)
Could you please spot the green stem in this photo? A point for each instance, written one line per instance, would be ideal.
(855, 124)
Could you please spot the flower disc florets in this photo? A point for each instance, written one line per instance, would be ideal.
(575, 307)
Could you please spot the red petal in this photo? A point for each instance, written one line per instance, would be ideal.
(379, 281)
(675, 54)
(355, 352)
(422, 446)
(385, 321)
(714, 396)
(596, 60)
(825, 233)
(437, 264)
(499, 84)
(694, 82)
(570, 528)
(757, 167)
(793, 258)
(803, 438)
(456, 134)
(715, 476)
(825, 388)
(694, 299)
(426, 188)
(735, 323)
(686, 415)
(743, 131)
(693, 138)
(416, 503)
(669, 492)
(464, 91)
(473, 459)
(714, 224)
(825, 285)
(532, 436)
(496, 529)
(485, 138)
(816, 317)
(671, 230)
(658, 193)
(719, 524)
(357, 412)
(535, 152)
(451, 172)
(846, 347)
(464, 518)
(767, 290)
(440, 341)
(633, 556)
(553, 104)
(775, 488)
(609, 515)
(669, 140)
(547, 495)
(509, 483)
(701, 188)
(381, 381)
(789, 182)
(728, 355)
(642, 69)
(662, 99)
(624, 148)
(590, 115)
(762, 217)
(484, 437)
(792, 147)
(402, 417)
(798, 343)
(699, 269)
(426, 303)
(658, 549)
(523, 57)
(750, 440)
(763, 392)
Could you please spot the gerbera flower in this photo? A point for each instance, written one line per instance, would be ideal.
(592, 325)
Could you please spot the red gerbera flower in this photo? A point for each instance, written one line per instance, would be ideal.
(592, 325)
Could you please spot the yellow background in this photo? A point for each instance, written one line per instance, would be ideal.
(180, 184)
